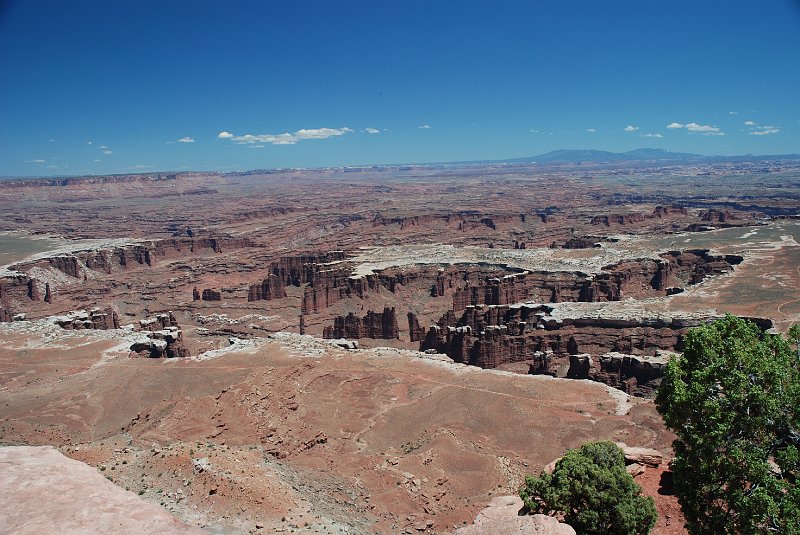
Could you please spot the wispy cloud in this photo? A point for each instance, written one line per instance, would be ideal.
(96, 160)
(103, 147)
(652, 135)
(372, 131)
(425, 126)
(185, 140)
(706, 130)
(749, 123)
(631, 128)
(89, 142)
(285, 138)
(591, 130)
(765, 130)
(34, 161)
(733, 113)
(107, 152)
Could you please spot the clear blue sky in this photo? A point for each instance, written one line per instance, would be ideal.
(111, 87)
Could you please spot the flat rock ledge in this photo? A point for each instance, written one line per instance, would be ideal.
(47, 492)
(500, 518)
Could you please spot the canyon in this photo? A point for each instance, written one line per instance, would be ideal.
(377, 350)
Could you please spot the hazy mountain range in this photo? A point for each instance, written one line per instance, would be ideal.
(661, 155)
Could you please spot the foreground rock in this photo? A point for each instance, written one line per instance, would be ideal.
(47, 492)
(500, 518)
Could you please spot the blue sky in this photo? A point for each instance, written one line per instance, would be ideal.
(114, 87)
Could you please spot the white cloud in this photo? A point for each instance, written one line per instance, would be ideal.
(733, 113)
(425, 126)
(108, 152)
(591, 130)
(89, 142)
(631, 128)
(286, 138)
(103, 147)
(652, 135)
(186, 140)
(765, 131)
(707, 130)
(34, 161)
(51, 140)
(749, 123)
(694, 127)
(372, 131)
(96, 160)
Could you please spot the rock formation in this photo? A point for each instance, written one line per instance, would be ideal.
(165, 339)
(415, 332)
(94, 318)
(211, 295)
(372, 325)
(48, 492)
(501, 517)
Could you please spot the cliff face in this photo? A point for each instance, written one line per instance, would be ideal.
(372, 325)
(415, 332)
(142, 254)
(15, 290)
(628, 219)
(638, 278)
(484, 330)
(495, 335)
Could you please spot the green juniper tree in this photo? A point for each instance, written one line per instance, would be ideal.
(593, 491)
(733, 399)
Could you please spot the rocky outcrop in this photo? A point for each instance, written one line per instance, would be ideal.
(501, 517)
(580, 366)
(577, 242)
(95, 318)
(272, 287)
(372, 325)
(165, 338)
(211, 295)
(48, 492)
(717, 216)
(291, 271)
(415, 332)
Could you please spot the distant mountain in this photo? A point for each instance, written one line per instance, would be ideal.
(597, 156)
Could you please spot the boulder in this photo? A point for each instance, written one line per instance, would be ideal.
(645, 456)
